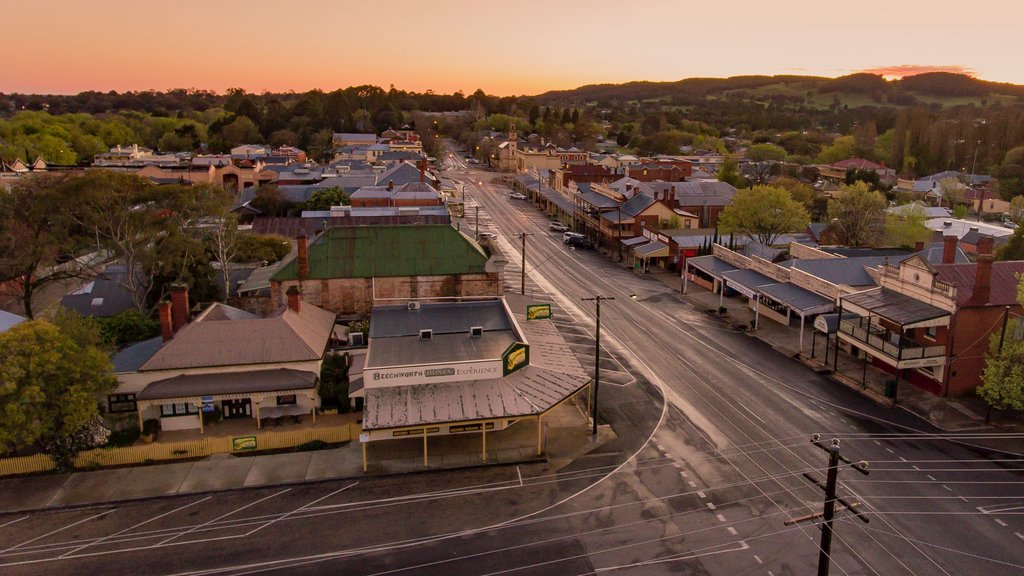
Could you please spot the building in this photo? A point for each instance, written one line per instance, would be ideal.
(343, 139)
(8, 320)
(930, 324)
(350, 269)
(443, 368)
(667, 171)
(226, 359)
(105, 295)
(836, 171)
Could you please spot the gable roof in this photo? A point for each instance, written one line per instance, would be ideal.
(226, 336)
(383, 251)
(7, 320)
(103, 296)
(1003, 282)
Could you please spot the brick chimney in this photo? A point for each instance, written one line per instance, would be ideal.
(949, 249)
(179, 306)
(918, 246)
(391, 185)
(423, 169)
(294, 301)
(166, 327)
(983, 271)
(303, 256)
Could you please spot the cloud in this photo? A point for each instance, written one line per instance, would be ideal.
(904, 70)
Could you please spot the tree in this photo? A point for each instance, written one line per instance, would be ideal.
(953, 192)
(729, 173)
(764, 213)
(324, 198)
(333, 386)
(270, 202)
(907, 228)
(39, 238)
(857, 214)
(800, 191)
(763, 158)
(841, 148)
(261, 248)
(1002, 379)
(49, 384)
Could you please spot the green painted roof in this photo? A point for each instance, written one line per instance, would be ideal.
(382, 251)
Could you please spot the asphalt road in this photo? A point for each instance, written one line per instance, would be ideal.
(713, 440)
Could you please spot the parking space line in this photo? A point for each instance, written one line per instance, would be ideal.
(62, 528)
(1000, 522)
(13, 521)
(299, 509)
(118, 533)
(207, 523)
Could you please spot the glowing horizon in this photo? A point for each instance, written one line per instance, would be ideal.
(452, 46)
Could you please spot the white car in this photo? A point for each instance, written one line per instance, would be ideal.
(557, 226)
(517, 196)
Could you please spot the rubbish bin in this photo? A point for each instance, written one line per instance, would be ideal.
(890, 389)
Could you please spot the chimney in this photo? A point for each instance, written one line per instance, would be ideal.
(985, 245)
(949, 249)
(983, 275)
(423, 170)
(303, 257)
(166, 328)
(918, 246)
(391, 185)
(179, 306)
(294, 301)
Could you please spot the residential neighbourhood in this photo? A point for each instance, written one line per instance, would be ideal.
(765, 324)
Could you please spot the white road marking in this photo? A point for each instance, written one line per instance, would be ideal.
(711, 505)
(198, 526)
(947, 488)
(13, 521)
(902, 459)
(758, 558)
(730, 530)
(299, 509)
(520, 474)
(701, 494)
(932, 478)
(660, 447)
(62, 528)
(916, 468)
(685, 475)
(721, 518)
(118, 533)
(964, 499)
(1019, 535)
(694, 485)
(889, 450)
(877, 442)
(1000, 522)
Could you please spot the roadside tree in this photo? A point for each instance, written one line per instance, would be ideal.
(857, 214)
(763, 213)
(1002, 379)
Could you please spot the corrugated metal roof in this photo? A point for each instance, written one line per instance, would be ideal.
(796, 297)
(841, 271)
(894, 306)
(1003, 283)
(748, 278)
(198, 385)
(441, 317)
(711, 265)
(458, 347)
(7, 320)
(652, 250)
(388, 251)
(131, 358)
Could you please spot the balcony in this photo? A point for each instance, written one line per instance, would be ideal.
(890, 347)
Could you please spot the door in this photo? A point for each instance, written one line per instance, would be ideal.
(237, 408)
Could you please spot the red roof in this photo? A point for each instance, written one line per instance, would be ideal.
(858, 163)
(1003, 288)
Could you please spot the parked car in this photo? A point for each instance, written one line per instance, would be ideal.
(557, 226)
(580, 242)
(1010, 224)
(517, 196)
(486, 235)
(567, 235)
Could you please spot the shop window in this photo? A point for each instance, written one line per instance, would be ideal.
(286, 400)
(117, 403)
(178, 409)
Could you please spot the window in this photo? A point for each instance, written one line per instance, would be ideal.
(286, 400)
(932, 332)
(178, 409)
(117, 403)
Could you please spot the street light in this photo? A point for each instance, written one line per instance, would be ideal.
(597, 353)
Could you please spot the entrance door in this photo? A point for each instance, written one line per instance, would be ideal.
(237, 408)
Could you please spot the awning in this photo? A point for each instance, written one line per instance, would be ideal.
(898, 308)
(224, 383)
(710, 265)
(829, 323)
(633, 241)
(803, 302)
(652, 250)
(557, 199)
(747, 282)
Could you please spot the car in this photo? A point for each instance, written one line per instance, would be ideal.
(486, 235)
(517, 196)
(567, 235)
(580, 242)
(1010, 224)
(557, 226)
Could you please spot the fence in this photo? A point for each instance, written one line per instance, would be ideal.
(161, 451)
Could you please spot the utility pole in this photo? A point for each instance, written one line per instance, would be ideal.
(597, 353)
(828, 514)
(476, 231)
(522, 279)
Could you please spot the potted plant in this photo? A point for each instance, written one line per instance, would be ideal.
(150, 428)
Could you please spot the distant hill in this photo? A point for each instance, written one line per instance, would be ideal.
(931, 87)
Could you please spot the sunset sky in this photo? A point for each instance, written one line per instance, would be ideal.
(505, 48)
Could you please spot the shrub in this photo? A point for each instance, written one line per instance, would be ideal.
(151, 427)
(261, 247)
(127, 327)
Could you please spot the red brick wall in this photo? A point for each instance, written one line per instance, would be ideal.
(971, 331)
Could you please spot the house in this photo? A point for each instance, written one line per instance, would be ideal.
(103, 296)
(343, 139)
(226, 359)
(446, 368)
(8, 320)
(668, 171)
(836, 171)
(968, 232)
(350, 269)
(930, 324)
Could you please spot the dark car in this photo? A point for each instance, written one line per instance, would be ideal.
(580, 242)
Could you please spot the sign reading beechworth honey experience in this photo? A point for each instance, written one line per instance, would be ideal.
(538, 311)
(515, 357)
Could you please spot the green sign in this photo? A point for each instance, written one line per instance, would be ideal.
(243, 443)
(538, 311)
(515, 357)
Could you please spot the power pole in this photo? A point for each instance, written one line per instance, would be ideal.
(828, 514)
(476, 232)
(597, 353)
(522, 280)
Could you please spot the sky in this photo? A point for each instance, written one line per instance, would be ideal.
(511, 47)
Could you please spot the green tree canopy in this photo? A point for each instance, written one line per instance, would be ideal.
(907, 228)
(1002, 379)
(49, 384)
(324, 198)
(857, 214)
(763, 213)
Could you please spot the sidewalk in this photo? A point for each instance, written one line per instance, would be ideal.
(948, 414)
(566, 430)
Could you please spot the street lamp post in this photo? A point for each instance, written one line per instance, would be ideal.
(597, 354)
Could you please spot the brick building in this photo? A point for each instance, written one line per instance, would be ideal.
(350, 269)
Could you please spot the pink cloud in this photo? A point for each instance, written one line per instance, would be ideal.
(904, 70)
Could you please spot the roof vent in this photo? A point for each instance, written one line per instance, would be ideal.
(414, 305)
(426, 334)
(476, 331)
(947, 224)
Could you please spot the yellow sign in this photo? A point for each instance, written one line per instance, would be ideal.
(243, 443)
(538, 311)
(515, 357)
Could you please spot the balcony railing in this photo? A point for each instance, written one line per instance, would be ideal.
(891, 344)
